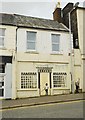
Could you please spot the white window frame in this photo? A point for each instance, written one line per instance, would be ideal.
(55, 43)
(31, 41)
(2, 37)
(60, 83)
(28, 80)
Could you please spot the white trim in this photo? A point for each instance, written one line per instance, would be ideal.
(2, 74)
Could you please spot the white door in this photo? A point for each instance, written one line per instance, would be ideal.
(44, 78)
(8, 81)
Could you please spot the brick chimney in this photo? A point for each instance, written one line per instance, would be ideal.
(57, 15)
(65, 12)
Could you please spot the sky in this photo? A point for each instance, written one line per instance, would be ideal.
(34, 8)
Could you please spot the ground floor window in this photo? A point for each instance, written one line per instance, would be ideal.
(59, 79)
(2, 68)
(28, 80)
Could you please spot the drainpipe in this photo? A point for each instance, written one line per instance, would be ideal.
(14, 84)
(71, 71)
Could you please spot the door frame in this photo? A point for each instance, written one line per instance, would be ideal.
(45, 70)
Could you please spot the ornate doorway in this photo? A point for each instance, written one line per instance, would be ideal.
(44, 77)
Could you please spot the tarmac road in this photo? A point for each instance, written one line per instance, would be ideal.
(73, 109)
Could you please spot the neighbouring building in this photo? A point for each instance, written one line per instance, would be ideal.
(77, 27)
(33, 52)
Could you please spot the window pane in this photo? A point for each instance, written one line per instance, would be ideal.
(2, 32)
(1, 41)
(55, 47)
(28, 80)
(55, 38)
(31, 45)
(31, 36)
(59, 80)
(55, 42)
(31, 40)
(2, 68)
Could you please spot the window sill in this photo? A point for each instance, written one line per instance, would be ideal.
(57, 53)
(61, 88)
(2, 74)
(29, 89)
(3, 48)
(32, 52)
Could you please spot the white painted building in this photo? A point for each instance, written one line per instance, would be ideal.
(38, 53)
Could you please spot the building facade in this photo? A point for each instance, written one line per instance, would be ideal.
(77, 16)
(33, 52)
(80, 12)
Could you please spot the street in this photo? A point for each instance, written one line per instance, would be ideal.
(72, 109)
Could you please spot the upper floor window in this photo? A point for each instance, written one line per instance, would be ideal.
(55, 42)
(31, 40)
(2, 35)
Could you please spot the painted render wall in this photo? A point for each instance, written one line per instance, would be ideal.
(9, 50)
(44, 39)
(10, 40)
(32, 67)
(81, 35)
(27, 61)
(77, 63)
(80, 30)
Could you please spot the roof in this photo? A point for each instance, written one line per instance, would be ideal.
(31, 22)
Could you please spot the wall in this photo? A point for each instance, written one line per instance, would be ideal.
(81, 29)
(77, 67)
(43, 47)
(32, 67)
(9, 50)
(10, 40)
(28, 61)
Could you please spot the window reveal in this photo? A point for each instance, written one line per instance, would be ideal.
(28, 80)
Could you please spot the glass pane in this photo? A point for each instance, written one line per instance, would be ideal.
(31, 45)
(1, 92)
(55, 38)
(2, 32)
(55, 47)
(2, 68)
(31, 36)
(1, 41)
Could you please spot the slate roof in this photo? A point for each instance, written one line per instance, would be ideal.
(31, 22)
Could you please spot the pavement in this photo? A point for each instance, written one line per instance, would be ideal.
(7, 104)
